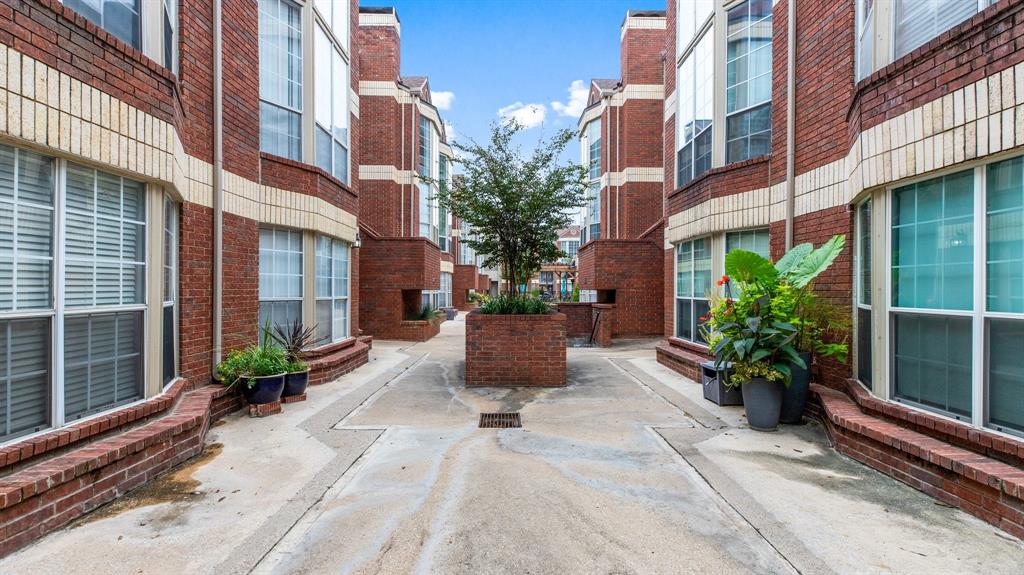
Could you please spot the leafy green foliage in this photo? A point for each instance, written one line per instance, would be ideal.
(777, 314)
(515, 204)
(793, 256)
(507, 304)
(428, 313)
(748, 267)
(806, 269)
(254, 361)
(295, 339)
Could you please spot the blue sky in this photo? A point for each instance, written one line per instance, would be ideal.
(493, 55)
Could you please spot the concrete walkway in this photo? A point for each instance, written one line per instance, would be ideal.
(626, 470)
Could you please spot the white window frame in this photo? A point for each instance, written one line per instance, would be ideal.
(339, 135)
(334, 297)
(893, 55)
(749, 107)
(859, 261)
(283, 106)
(693, 297)
(301, 275)
(57, 312)
(979, 314)
(705, 33)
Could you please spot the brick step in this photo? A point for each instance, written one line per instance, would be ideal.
(334, 364)
(987, 488)
(684, 361)
(47, 495)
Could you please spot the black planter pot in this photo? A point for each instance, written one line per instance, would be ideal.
(762, 400)
(295, 383)
(794, 397)
(265, 389)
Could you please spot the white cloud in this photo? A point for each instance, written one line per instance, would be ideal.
(442, 100)
(528, 115)
(578, 94)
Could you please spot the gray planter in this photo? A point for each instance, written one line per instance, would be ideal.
(794, 397)
(763, 401)
(715, 385)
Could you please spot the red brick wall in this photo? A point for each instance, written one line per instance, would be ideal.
(195, 316)
(241, 88)
(309, 180)
(723, 181)
(640, 56)
(463, 280)
(241, 262)
(516, 350)
(633, 268)
(579, 318)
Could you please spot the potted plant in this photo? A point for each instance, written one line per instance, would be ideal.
(821, 327)
(295, 339)
(770, 332)
(743, 333)
(259, 370)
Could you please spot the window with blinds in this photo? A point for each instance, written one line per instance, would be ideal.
(280, 276)
(332, 288)
(918, 21)
(80, 304)
(170, 290)
(280, 28)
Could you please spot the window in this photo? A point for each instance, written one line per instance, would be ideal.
(695, 94)
(1004, 327)
(280, 276)
(571, 248)
(693, 281)
(332, 288)
(331, 108)
(122, 18)
(748, 94)
(170, 290)
(79, 304)
(170, 25)
(865, 38)
(862, 287)
(439, 298)
(756, 241)
(918, 21)
(467, 255)
(281, 78)
(932, 266)
(335, 14)
(429, 165)
(443, 219)
(592, 211)
(691, 15)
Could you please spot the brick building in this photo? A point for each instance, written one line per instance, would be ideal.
(173, 178)
(898, 124)
(410, 243)
(620, 259)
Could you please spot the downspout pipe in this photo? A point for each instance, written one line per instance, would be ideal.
(218, 186)
(790, 119)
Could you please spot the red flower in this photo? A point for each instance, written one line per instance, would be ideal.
(725, 279)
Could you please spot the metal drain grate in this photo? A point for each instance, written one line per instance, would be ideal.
(500, 420)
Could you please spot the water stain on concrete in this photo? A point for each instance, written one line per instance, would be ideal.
(175, 486)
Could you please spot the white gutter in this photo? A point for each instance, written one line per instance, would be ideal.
(218, 187)
(790, 119)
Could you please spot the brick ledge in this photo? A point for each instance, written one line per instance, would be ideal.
(984, 487)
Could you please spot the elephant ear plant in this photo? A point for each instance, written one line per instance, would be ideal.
(765, 332)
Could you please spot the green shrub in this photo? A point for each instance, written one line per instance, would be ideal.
(428, 313)
(254, 361)
(515, 305)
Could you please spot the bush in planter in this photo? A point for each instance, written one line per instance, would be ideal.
(295, 339)
(428, 313)
(259, 370)
(506, 304)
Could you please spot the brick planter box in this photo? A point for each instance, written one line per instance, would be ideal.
(515, 350)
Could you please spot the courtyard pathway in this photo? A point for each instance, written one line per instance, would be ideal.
(626, 470)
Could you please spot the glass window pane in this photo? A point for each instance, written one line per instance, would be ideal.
(103, 362)
(933, 361)
(933, 243)
(1004, 251)
(918, 21)
(24, 377)
(280, 75)
(1006, 374)
(119, 17)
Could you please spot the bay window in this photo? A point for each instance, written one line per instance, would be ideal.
(756, 241)
(693, 281)
(691, 16)
(748, 95)
(335, 14)
(443, 217)
(280, 289)
(333, 259)
(170, 27)
(73, 290)
(429, 166)
(695, 93)
(865, 38)
(956, 315)
(331, 106)
(280, 39)
(170, 290)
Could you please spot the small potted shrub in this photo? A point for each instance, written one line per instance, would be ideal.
(295, 339)
(259, 370)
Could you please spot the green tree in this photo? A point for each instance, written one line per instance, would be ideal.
(515, 204)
